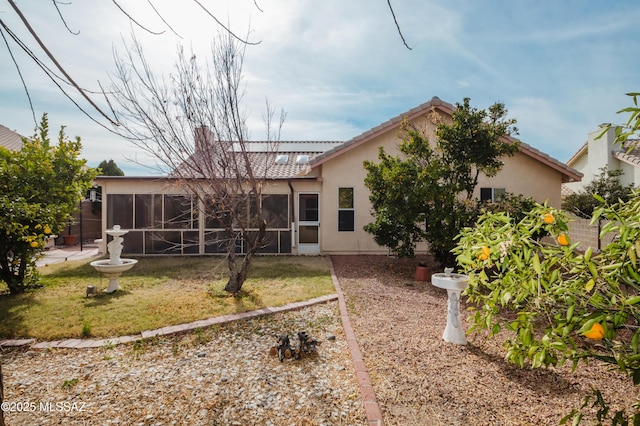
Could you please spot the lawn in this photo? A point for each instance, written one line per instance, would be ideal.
(157, 292)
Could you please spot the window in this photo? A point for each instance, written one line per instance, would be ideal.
(148, 211)
(309, 207)
(282, 159)
(178, 212)
(120, 210)
(492, 194)
(346, 211)
(275, 210)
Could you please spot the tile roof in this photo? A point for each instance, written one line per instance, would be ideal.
(266, 164)
(10, 139)
(263, 153)
(569, 173)
(273, 161)
(630, 152)
(288, 158)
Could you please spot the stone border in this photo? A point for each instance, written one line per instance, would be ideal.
(96, 343)
(369, 401)
(367, 394)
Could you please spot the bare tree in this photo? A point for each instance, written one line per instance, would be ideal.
(192, 122)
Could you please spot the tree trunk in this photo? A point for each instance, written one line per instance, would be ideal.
(234, 284)
(238, 274)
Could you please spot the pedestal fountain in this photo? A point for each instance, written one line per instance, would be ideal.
(454, 284)
(113, 267)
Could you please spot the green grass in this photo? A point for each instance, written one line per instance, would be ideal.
(157, 292)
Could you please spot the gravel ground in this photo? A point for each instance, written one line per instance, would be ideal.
(421, 380)
(219, 376)
(224, 375)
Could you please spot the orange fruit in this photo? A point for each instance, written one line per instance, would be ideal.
(548, 218)
(563, 240)
(485, 253)
(596, 332)
(47, 230)
(34, 244)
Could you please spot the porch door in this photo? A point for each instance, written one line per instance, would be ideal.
(308, 223)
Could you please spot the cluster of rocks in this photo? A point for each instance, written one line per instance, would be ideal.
(219, 375)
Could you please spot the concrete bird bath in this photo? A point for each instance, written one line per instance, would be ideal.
(454, 284)
(114, 266)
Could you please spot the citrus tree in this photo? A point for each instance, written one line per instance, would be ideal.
(528, 278)
(40, 187)
(426, 194)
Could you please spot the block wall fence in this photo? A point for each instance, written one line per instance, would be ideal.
(581, 230)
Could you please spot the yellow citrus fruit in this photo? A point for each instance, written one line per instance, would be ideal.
(47, 230)
(596, 332)
(563, 240)
(548, 218)
(34, 244)
(484, 255)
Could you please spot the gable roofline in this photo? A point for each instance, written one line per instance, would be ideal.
(579, 153)
(569, 174)
(432, 105)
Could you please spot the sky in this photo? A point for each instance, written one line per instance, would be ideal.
(339, 68)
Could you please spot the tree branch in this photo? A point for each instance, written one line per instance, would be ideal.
(55, 4)
(56, 63)
(13, 59)
(227, 29)
(398, 25)
(134, 21)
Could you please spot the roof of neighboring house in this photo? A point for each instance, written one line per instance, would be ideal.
(630, 152)
(568, 173)
(579, 153)
(10, 139)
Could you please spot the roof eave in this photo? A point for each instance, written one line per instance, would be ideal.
(434, 104)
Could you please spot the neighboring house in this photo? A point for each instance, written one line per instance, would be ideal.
(600, 152)
(10, 139)
(315, 198)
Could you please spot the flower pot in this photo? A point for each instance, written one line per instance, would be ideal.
(423, 273)
(69, 240)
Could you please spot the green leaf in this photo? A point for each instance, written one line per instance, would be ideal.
(496, 329)
(589, 285)
(536, 263)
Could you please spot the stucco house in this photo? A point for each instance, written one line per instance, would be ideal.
(314, 195)
(600, 152)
